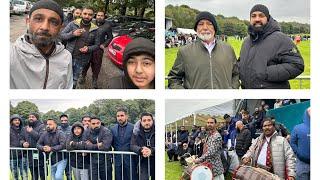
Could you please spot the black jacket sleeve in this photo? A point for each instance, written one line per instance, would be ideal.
(288, 63)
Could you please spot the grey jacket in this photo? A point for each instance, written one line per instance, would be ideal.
(269, 60)
(195, 68)
(29, 69)
(283, 158)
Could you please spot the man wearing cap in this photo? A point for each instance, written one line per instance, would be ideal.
(268, 57)
(52, 141)
(29, 138)
(206, 63)
(82, 40)
(37, 60)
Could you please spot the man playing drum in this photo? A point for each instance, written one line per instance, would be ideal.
(272, 152)
(212, 149)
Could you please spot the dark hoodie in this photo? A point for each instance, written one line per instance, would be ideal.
(137, 46)
(300, 139)
(77, 160)
(15, 137)
(139, 139)
(269, 59)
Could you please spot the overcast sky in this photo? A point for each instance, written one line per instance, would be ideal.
(57, 105)
(281, 10)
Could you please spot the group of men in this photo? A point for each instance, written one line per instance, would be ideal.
(88, 135)
(288, 158)
(268, 57)
(39, 59)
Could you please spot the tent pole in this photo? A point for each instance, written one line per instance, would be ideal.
(171, 133)
(176, 132)
(194, 119)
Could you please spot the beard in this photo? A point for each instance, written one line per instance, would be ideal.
(41, 39)
(86, 21)
(205, 36)
(256, 28)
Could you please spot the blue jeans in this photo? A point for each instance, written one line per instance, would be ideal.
(23, 168)
(57, 170)
(78, 64)
(303, 170)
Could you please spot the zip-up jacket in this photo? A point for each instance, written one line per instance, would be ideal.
(29, 69)
(196, 68)
(269, 60)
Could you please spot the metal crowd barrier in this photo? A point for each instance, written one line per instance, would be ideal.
(23, 168)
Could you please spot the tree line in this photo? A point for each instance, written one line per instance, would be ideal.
(141, 8)
(184, 17)
(105, 109)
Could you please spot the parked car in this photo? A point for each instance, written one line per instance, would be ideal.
(21, 6)
(116, 48)
(11, 7)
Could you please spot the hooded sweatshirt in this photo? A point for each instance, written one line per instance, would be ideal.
(300, 139)
(269, 59)
(137, 46)
(29, 69)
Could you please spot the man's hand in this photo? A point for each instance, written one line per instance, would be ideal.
(71, 143)
(100, 145)
(84, 49)
(78, 32)
(102, 47)
(197, 161)
(88, 142)
(291, 178)
(47, 148)
(26, 144)
(246, 161)
(29, 129)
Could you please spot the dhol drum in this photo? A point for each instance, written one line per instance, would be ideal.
(248, 173)
(198, 172)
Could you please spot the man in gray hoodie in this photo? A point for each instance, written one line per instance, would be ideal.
(37, 60)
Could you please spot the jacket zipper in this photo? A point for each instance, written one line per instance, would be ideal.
(47, 74)
(211, 75)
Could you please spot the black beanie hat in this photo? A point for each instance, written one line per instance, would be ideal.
(137, 46)
(48, 4)
(261, 8)
(208, 16)
(226, 116)
(34, 114)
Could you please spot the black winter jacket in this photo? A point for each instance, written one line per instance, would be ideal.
(56, 140)
(269, 59)
(243, 140)
(77, 160)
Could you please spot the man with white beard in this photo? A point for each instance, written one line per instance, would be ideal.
(206, 63)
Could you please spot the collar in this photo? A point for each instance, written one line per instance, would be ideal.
(209, 46)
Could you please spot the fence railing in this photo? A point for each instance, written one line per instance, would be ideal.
(30, 163)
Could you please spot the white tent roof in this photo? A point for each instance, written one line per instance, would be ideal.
(178, 109)
(186, 31)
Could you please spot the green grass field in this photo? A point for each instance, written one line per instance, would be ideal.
(173, 169)
(304, 48)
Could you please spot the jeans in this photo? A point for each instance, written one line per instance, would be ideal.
(58, 169)
(78, 65)
(303, 170)
(20, 163)
(95, 63)
(80, 174)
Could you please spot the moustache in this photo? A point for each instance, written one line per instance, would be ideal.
(43, 33)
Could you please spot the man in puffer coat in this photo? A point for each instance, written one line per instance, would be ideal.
(143, 143)
(272, 153)
(268, 57)
(300, 143)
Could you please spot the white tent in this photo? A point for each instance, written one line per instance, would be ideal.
(185, 31)
(178, 109)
